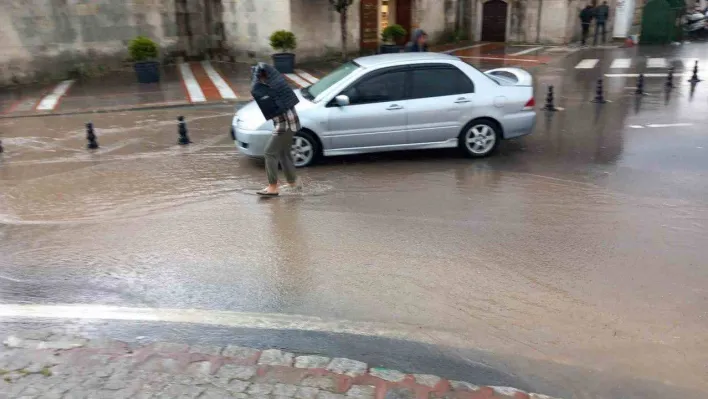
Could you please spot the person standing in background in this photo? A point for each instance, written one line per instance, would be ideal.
(602, 14)
(418, 43)
(586, 16)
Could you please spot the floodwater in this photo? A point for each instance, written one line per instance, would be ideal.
(583, 245)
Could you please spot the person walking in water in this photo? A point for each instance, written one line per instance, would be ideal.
(602, 14)
(277, 102)
(585, 19)
(418, 43)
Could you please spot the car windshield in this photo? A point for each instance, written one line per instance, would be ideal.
(326, 82)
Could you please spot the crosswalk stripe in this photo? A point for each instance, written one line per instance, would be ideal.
(587, 63)
(298, 80)
(307, 76)
(657, 63)
(196, 95)
(531, 50)
(620, 63)
(50, 101)
(224, 89)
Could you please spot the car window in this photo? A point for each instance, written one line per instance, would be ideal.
(326, 82)
(438, 82)
(389, 86)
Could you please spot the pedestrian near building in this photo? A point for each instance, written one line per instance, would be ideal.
(418, 43)
(586, 16)
(602, 14)
(277, 102)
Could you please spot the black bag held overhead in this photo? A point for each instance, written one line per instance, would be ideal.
(265, 99)
(273, 96)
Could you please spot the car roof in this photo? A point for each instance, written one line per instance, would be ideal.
(401, 58)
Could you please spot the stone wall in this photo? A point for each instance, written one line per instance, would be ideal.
(436, 17)
(46, 39)
(249, 23)
(317, 27)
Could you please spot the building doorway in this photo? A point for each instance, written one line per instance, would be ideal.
(376, 15)
(494, 21)
(369, 25)
(404, 16)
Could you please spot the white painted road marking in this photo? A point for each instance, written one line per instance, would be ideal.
(466, 48)
(273, 321)
(298, 80)
(689, 63)
(657, 63)
(655, 125)
(620, 63)
(50, 101)
(668, 124)
(307, 76)
(224, 89)
(196, 95)
(587, 63)
(531, 50)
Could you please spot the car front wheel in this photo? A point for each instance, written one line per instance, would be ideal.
(304, 149)
(480, 138)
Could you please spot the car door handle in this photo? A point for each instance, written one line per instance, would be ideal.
(461, 100)
(394, 107)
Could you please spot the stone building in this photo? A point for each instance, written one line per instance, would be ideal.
(51, 38)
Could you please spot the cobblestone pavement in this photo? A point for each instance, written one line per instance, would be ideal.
(44, 365)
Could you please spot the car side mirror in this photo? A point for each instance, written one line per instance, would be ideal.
(342, 100)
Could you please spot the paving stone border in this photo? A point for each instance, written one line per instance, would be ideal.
(44, 365)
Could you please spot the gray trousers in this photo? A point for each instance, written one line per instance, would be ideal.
(278, 151)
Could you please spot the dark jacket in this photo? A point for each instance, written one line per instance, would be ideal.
(263, 95)
(275, 96)
(412, 46)
(602, 13)
(586, 15)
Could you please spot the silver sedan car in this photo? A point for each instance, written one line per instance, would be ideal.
(408, 101)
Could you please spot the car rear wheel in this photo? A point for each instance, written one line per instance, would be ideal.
(480, 138)
(305, 149)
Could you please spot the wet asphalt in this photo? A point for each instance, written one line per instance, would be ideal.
(569, 263)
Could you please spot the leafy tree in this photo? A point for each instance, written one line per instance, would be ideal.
(342, 6)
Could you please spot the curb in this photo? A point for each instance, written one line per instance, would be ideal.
(214, 371)
(143, 107)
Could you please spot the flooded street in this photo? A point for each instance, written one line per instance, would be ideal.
(576, 247)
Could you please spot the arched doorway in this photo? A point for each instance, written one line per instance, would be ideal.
(494, 21)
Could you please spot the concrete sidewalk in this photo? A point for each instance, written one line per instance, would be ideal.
(44, 365)
(194, 83)
(215, 82)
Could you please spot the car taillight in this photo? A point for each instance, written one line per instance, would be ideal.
(531, 104)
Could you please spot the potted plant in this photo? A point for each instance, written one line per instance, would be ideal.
(143, 52)
(391, 36)
(285, 42)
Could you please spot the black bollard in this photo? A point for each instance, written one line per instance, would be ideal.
(599, 96)
(91, 137)
(640, 85)
(670, 78)
(182, 129)
(549, 100)
(694, 78)
(1, 149)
